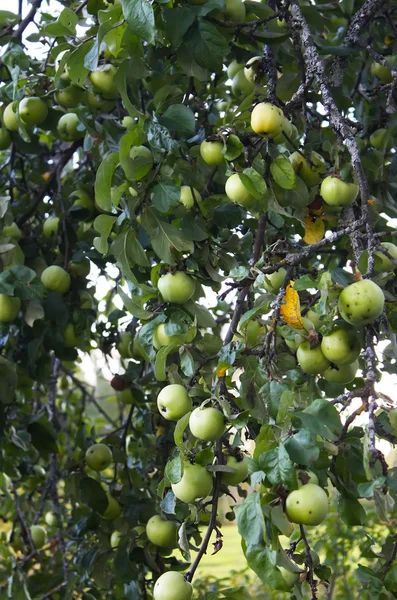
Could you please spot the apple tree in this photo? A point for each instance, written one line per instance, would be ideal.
(198, 195)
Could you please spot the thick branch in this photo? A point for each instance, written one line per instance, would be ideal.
(17, 34)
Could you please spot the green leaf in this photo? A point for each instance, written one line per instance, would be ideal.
(278, 467)
(139, 15)
(165, 238)
(64, 26)
(177, 22)
(173, 469)
(201, 313)
(129, 165)
(161, 360)
(321, 418)
(159, 137)
(103, 181)
(75, 61)
(165, 195)
(103, 224)
(180, 429)
(180, 119)
(93, 495)
(22, 282)
(8, 18)
(43, 437)
(120, 80)
(302, 447)
(351, 511)
(283, 173)
(134, 305)
(234, 147)
(250, 519)
(207, 47)
(187, 362)
(168, 504)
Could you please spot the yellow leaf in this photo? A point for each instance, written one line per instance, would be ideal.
(291, 309)
(222, 372)
(314, 229)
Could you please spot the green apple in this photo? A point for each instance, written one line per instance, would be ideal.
(336, 192)
(33, 111)
(341, 373)
(123, 345)
(161, 533)
(234, 68)
(39, 536)
(5, 139)
(9, 308)
(240, 466)
(196, 483)
(307, 477)
(51, 519)
(69, 97)
(252, 68)
(379, 139)
(174, 402)
(289, 577)
(341, 346)
(98, 103)
(311, 360)
(12, 231)
(382, 263)
(393, 420)
(115, 539)
(69, 336)
(241, 86)
(103, 81)
(207, 423)
(361, 303)
(381, 72)
(177, 287)
(187, 198)
(56, 279)
(81, 268)
(160, 338)
(83, 200)
(311, 171)
(172, 586)
(68, 128)
(50, 227)
(237, 192)
(65, 76)
(113, 509)
(274, 281)
(235, 10)
(126, 396)
(128, 122)
(267, 119)
(98, 457)
(307, 505)
(315, 318)
(211, 153)
(253, 332)
(10, 118)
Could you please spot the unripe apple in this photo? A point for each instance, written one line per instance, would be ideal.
(39, 536)
(274, 281)
(196, 483)
(56, 279)
(123, 345)
(174, 402)
(160, 338)
(9, 308)
(381, 72)
(267, 119)
(126, 396)
(341, 346)
(234, 68)
(341, 373)
(68, 128)
(65, 76)
(172, 586)
(103, 81)
(237, 192)
(241, 86)
(128, 122)
(12, 231)
(33, 111)
(98, 103)
(382, 263)
(98, 457)
(5, 139)
(10, 118)
(240, 474)
(115, 539)
(310, 173)
(207, 423)
(69, 97)
(177, 288)
(161, 533)
(253, 332)
(235, 10)
(51, 519)
(80, 269)
(69, 336)
(288, 129)
(50, 227)
(252, 68)
(187, 198)
(311, 360)
(289, 577)
(336, 192)
(361, 303)
(315, 318)
(307, 505)
(211, 153)
(113, 509)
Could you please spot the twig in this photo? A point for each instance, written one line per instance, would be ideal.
(17, 34)
(309, 561)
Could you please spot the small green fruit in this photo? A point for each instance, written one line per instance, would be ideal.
(98, 457)
(56, 279)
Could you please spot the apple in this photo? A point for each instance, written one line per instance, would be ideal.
(39, 535)
(69, 97)
(234, 68)
(361, 303)
(310, 478)
(341, 373)
(174, 402)
(237, 192)
(56, 279)
(311, 360)
(68, 128)
(128, 122)
(81, 268)
(115, 539)
(289, 577)
(113, 510)
(393, 420)
(10, 118)
(98, 457)
(310, 173)
(252, 68)
(33, 111)
(211, 153)
(253, 331)
(172, 586)
(98, 103)
(187, 198)
(51, 519)
(14, 232)
(315, 318)
(381, 72)
(126, 396)
(69, 336)
(307, 505)
(207, 423)
(274, 281)
(103, 81)
(235, 10)
(267, 119)
(196, 483)
(123, 345)
(5, 139)
(341, 346)
(296, 342)
(241, 86)
(240, 466)
(160, 338)
(9, 308)
(336, 192)
(288, 129)
(379, 139)
(50, 227)
(65, 76)
(177, 287)
(161, 533)
(382, 263)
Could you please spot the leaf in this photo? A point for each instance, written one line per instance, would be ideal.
(134, 305)
(165, 238)
(173, 469)
(64, 26)
(314, 229)
(159, 137)
(250, 520)
(180, 119)
(207, 47)
(180, 429)
(129, 165)
(201, 313)
(177, 22)
(291, 310)
(139, 15)
(103, 224)
(168, 504)
(321, 418)
(351, 511)
(103, 181)
(165, 195)
(161, 360)
(234, 147)
(187, 362)
(278, 467)
(302, 447)
(33, 311)
(283, 173)
(43, 437)
(93, 495)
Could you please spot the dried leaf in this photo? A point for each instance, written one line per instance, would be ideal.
(314, 228)
(291, 309)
